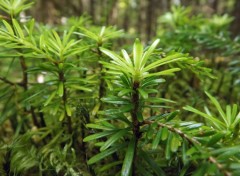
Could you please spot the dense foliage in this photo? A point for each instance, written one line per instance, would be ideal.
(73, 101)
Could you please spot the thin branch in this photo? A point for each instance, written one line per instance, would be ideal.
(193, 142)
(13, 83)
(219, 166)
(175, 130)
(8, 82)
(101, 91)
(5, 17)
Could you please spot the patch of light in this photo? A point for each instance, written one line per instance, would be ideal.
(64, 20)
(40, 78)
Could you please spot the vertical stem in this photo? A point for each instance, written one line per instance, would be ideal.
(101, 90)
(7, 163)
(64, 99)
(24, 73)
(101, 86)
(135, 102)
(136, 123)
(24, 82)
(231, 89)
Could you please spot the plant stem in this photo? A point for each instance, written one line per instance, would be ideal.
(24, 82)
(220, 166)
(102, 84)
(7, 163)
(64, 99)
(135, 122)
(8, 82)
(134, 112)
(24, 73)
(231, 89)
(175, 130)
(101, 90)
(192, 141)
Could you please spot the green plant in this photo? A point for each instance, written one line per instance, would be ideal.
(224, 140)
(230, 119)
(129, 128)
(52, 96)
(71, 105)
(15, 7)
(208, 38)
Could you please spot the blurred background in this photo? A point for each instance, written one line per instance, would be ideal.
(139, 17)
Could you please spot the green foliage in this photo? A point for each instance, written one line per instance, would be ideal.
(208, 39)
(207, 33)
(14, 7)
(72, 105)
(230, 118)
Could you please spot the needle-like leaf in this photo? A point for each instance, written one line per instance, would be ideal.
(128, 160)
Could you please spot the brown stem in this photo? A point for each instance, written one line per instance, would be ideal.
(8, 82)
(5, 17)
(219, 166)
(24, 82)
(134, 112)
(231, 89)
(102, 84)
(24, 73)
(34, 117)
(192, 142)
(135, 122)
(101, 91)
(175, 130)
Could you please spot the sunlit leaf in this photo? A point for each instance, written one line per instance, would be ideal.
(218, 106)
(137, 54)
(18, 29)
(150, 50)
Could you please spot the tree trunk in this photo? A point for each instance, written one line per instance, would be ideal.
(92, 10)
(149, 19)
(235, 27)
(140, 21)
